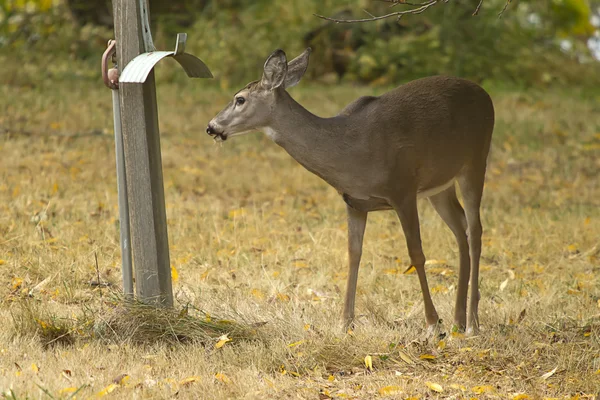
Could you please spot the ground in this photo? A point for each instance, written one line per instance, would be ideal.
(260, 242)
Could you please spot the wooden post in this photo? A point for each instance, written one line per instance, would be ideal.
(141, 142)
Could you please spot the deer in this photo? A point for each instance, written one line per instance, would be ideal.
(383, 153)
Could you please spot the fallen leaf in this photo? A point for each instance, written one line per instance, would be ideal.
(436, 387)
(405, 357)
(521, 316)
(17, 283)
(549, 374)
(35, 368)
(222, 377)
(298, 343)
(222, 340)
(521, 396)
(121, 379)
(388, 390)
(482, 389)
(436, 262)
(410, 270)
(174, 274)
(109, 389)
(503, 285)
(237, 213)
(189, 380)
(369, 363)
(258, 294)
(331, 378)
(427, 357)
(67, 390)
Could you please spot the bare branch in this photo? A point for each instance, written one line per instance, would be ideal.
(398, 14)
(420, 7)
(369, 14)
(394, 3)
(504, 8)
(478, 7)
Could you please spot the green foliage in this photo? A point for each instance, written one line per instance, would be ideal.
(234, 37)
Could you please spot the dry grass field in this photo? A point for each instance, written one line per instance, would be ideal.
(258, 252)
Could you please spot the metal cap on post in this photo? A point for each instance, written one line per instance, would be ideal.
(141, 146)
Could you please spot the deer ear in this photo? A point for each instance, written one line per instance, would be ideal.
(296, 68)
(275, 70)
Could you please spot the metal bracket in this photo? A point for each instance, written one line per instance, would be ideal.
(138, 69)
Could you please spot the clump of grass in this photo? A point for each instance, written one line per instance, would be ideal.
(29, 319)
(120, 320)
(141, 323)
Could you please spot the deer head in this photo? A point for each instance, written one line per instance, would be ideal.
(251, 107)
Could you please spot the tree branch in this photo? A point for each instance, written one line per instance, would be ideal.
(420, 7)
(478, 7)
(504, 8)
(397, 14)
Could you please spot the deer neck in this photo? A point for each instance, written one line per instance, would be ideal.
(305, 136)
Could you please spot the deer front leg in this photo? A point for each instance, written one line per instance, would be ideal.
(406, 208)
(357, 221)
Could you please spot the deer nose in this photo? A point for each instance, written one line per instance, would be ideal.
(210, 130)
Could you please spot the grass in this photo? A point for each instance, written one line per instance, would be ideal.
(259, 248)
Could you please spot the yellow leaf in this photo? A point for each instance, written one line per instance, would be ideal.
(410, 270)
(283, 297)
(427, 357)
(572, 248)
(482, 389)
(521, 396)
(67, 390)
(257, 293)
(441, 345)
(17, 283)
(2, 262)
(436, 262)
(388, 390)
(300, 264)
(121, 379)
(549, 374)
(55, 188)
(189, 380)
(298, 343)
(405, 357)
(109, 389)
(237, 213)
(174, 274)
(587, 221)
(35, 368)
(458, 387)
(369, 363)
(331, 378)
(391, 271)
(222, 340)
(222, 377)
(307, 326)
(436, 387)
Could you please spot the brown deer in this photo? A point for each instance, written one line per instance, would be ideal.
(383, 153)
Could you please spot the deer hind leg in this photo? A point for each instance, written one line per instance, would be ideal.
(406, 208)
(471, 186)
(357, 220)
(448, 207)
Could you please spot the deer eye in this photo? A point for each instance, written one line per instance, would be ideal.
(240, 100)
